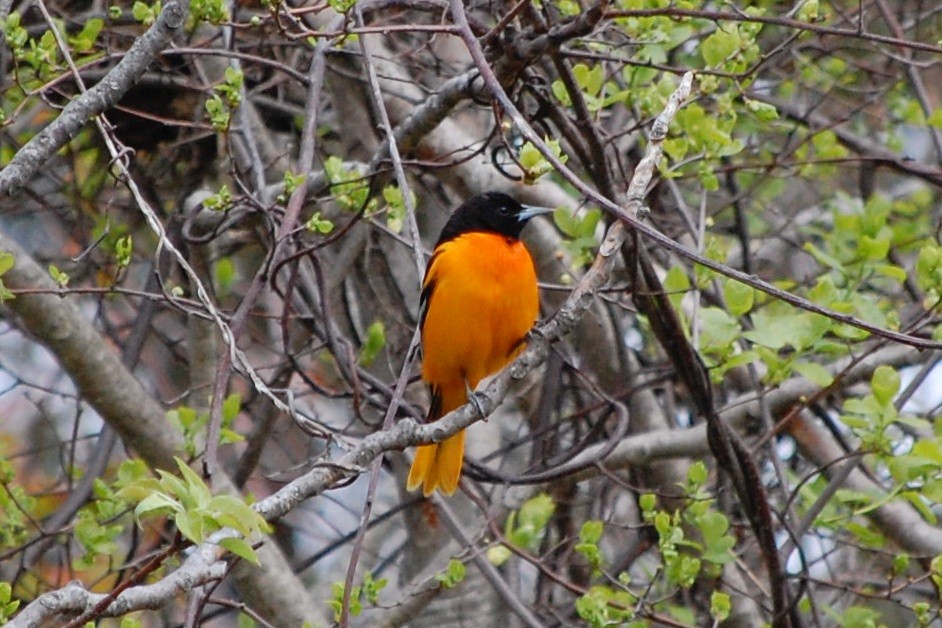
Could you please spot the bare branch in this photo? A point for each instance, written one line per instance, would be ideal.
(104, 95)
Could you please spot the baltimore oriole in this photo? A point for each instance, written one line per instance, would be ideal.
(479, 300)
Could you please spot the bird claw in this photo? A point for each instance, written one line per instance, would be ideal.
(475, 399)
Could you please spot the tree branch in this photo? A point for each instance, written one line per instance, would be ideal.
(104, 95)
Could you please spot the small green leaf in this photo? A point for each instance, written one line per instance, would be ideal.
(195, 486)
(676, 284)
(718, 330)
(530, 157)
(231, 407)
(527, 527)
(453, 575)
(697, 474)
(240, 547)
(591, 531)
(534, 164)
(6, 261)
(809, 11)
(717, 542)
(590, 80)
(885, 384)
(720, 606)
(891, 270)
(763, 111)
(498, 555)
(900, 563)
(123, 248)
(192, 525)
(719, 46)
(371, 587)
(373, 343)
(814, 372)
(873, 249)
(860, 617)
(131, 471)
(85, 39)
(739, 297)
(61, 278)
(318, 224)
(156, 503)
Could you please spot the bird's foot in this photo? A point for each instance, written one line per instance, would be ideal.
(475, 399)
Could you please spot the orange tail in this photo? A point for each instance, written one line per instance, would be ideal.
(438, 466)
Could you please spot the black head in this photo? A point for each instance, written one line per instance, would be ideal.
(493, 212)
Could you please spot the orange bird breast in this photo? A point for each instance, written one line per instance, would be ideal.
(482, 302)
(480, 297)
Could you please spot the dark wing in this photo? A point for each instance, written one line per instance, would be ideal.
(428, 286)
(435, 404)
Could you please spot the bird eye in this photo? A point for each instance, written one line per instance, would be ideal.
(503, 209)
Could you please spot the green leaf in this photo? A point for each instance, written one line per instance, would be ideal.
(453, 575)
(85, 39)
(591, 531)
(157, 503)
(530, 522)
(371, 587)
(676, 284)
(719, 46)
(763, 111)
(231, 407)
(373, 343)
(776, 328)
(698, 473)
(192, 525)
(534, 164)
(717, 543)
(562, 95)
(238, 515)
(6, 261)
(720, 605)
(900, 563)
(865, 535)
(61, 278)
(590, 80)
(873, 249)
(860, 617)
(809, 11)
(823, 258)
(530, 157)
(196, 488)
(499, 554)
(144, 13)
(317, 224)
(814, 372)
(890, 270)
(739, 297)
(396, 207)
(8, 605)
(885, 384)
(603, 606)
(240, 547)
(592, 554)
(718, 329)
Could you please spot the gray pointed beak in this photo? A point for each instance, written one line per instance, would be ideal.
(529, 211)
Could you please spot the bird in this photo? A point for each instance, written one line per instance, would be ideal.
(479, 301)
